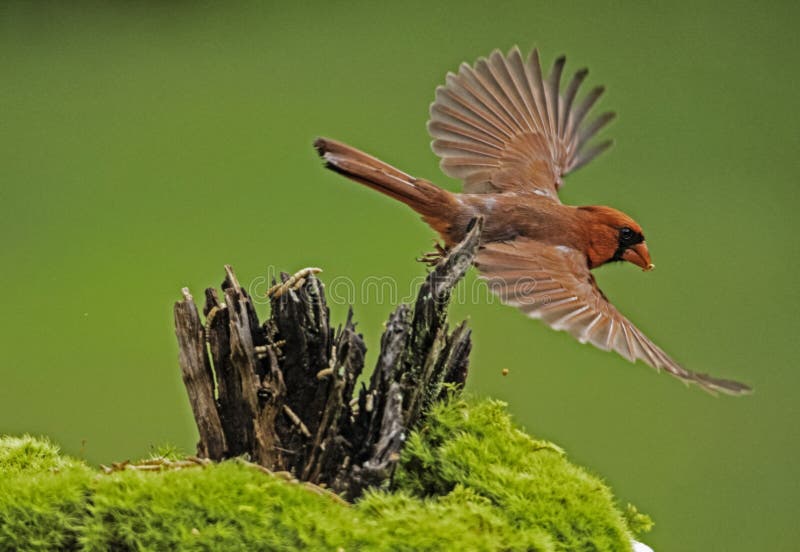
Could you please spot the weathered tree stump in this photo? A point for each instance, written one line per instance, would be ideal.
(283, 392)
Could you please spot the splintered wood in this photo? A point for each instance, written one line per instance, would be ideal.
(282, 393)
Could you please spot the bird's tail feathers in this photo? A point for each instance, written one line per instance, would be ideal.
(420, 195)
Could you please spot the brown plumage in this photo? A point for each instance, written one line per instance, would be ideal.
(511, 134)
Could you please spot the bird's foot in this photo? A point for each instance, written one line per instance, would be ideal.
(432, 258)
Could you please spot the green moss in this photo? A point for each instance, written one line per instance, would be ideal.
(475, 445)
(224, 507)
(462, 519)
(469, 479)
(637, 522)
(43, 496)
(26, 454)
(168, 451)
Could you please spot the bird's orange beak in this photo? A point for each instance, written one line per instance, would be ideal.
(639, 255)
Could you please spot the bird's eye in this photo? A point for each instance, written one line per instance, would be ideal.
(628, 237)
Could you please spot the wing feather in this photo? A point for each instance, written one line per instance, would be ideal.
(554, 284)
(553, 84)
(501, 126)
(519, 74)
(569, 98)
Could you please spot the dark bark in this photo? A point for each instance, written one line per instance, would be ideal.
(197, 377)
(283, 392)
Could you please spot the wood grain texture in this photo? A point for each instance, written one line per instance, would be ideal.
(283, 392)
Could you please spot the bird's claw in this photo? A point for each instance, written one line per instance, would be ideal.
(432, 258)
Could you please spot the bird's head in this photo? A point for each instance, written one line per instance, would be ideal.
(614, 236)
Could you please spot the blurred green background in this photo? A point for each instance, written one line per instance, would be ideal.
(142, 146)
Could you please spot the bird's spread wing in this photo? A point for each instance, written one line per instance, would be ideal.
(501, 126)
(554, 284)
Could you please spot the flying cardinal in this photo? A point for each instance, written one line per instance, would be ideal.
(511, 134)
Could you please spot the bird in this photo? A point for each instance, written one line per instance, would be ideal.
(511, 134)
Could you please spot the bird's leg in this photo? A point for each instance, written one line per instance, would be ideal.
(432, 258)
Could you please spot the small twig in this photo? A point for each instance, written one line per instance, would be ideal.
(296, 420)
(156, 464)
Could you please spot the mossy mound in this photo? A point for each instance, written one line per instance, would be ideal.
(468, 479)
